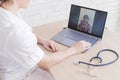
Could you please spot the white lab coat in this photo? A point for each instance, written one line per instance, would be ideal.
(19, 52)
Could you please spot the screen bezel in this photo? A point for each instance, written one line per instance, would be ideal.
(89, 9)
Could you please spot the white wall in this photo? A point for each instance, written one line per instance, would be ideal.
(47, 11)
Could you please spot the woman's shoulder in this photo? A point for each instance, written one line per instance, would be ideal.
(4, 18)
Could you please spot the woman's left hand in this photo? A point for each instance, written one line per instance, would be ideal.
(51, 46)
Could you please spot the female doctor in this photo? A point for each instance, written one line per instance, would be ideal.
(20, 56)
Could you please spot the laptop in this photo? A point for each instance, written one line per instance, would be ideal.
(84, 24)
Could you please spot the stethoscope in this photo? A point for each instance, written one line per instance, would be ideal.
(99, 59)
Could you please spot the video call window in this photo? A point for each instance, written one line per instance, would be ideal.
(86, 20)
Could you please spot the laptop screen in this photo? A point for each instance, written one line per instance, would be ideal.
(90, 21)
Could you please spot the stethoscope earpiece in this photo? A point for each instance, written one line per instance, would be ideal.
(100, 59)
(99, 62)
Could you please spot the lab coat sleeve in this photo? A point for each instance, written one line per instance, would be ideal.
(23, 48)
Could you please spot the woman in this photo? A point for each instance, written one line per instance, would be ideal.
(20, 56)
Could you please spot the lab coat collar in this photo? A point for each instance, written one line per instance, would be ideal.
(9, 16)
(13, 19)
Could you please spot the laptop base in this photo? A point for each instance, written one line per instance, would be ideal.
(69, 37)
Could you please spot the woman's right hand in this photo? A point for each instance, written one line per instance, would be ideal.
(57, 57)
(81, 46)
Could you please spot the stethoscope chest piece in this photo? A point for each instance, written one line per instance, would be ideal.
(91, 69)
(96, 62)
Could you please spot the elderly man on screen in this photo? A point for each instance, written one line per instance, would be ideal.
(84, 25)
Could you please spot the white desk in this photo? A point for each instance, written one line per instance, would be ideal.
(66, 70)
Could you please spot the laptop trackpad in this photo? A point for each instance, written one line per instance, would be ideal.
(68, 42)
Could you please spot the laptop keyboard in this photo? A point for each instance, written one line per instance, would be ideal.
(77, 36)
(69, 37)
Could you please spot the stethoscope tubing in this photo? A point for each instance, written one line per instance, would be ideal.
(100, 59)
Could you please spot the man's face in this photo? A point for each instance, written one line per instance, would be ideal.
(86, 20)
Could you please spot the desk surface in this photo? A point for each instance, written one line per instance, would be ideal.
(66, 70)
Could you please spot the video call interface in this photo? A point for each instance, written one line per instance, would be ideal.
(87, 20)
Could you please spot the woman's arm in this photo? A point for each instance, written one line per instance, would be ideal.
(40, 40)
(57, 57)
